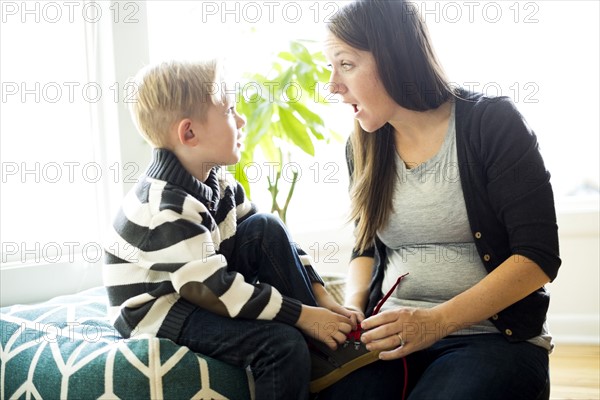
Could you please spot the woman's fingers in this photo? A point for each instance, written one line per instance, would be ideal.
(379, 319)
(380, 327)
(398, 352)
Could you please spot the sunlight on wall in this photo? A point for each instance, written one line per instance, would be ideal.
(544, 55)
(525, 50)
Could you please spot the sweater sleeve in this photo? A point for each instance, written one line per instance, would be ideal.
(518, 184)
(206, 281)
(176, 242)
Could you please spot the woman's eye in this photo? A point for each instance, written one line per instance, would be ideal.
(346, 66)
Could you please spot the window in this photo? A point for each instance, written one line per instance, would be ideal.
(64, 167)
(49, 173)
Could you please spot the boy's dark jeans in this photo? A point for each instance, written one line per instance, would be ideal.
(276, 353)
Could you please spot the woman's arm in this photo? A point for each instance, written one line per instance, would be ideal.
(360, 271)
(513, 280)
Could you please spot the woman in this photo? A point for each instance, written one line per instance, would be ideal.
(449, 187)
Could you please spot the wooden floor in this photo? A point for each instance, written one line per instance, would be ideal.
(575, 372)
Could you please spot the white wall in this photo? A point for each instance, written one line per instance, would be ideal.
(574, 315)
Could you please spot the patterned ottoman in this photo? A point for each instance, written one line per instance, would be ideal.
(66, 348)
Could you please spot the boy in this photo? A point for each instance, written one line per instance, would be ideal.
(190, 259)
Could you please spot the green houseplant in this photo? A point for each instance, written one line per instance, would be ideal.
(282, 110)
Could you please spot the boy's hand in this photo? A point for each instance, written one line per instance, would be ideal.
(326, 300)
(356, 316)
(324, 325)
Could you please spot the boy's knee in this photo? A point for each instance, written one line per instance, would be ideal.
(270, 219)
(289, 342)
(267, 222)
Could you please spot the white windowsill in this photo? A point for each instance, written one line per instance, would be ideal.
(32, 283)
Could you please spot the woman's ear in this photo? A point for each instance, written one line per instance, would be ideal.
(186, 134)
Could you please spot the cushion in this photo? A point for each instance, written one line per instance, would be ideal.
(67, 348)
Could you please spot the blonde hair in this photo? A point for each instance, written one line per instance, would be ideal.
(168, 92)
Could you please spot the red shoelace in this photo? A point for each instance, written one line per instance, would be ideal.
(355, 335)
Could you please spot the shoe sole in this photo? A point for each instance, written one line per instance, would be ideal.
(325, 381)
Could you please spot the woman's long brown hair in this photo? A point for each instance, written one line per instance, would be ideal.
(394, 33)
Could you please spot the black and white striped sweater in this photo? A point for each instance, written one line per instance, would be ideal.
(174, 231)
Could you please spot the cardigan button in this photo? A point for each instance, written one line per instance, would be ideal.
(487, 257)
(508, 332)
(477, 235)
(495, 317)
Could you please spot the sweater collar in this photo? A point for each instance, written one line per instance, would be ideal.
(165, 166)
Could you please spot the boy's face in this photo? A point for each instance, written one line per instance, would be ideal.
(220, 134)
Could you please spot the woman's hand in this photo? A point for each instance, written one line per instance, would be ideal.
(403, 330)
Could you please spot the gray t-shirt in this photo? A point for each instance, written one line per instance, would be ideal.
(428, 236)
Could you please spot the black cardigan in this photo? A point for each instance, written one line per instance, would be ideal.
(509, 201)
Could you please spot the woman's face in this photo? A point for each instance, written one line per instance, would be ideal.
(355, 78)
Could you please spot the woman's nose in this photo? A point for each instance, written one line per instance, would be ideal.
(334, 86)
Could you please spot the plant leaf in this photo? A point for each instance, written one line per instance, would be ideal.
(271, 152)
(286, 55)
(295, 131)
(311, 118)
(301, 52)
(261, 118)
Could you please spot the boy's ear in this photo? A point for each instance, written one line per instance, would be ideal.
(186, 134)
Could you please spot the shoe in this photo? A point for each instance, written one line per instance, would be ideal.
(329, 366)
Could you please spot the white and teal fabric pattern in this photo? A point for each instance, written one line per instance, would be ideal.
(66, 348)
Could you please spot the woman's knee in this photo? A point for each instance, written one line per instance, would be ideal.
(481, 367)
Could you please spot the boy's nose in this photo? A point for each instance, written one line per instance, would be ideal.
(241, 121)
